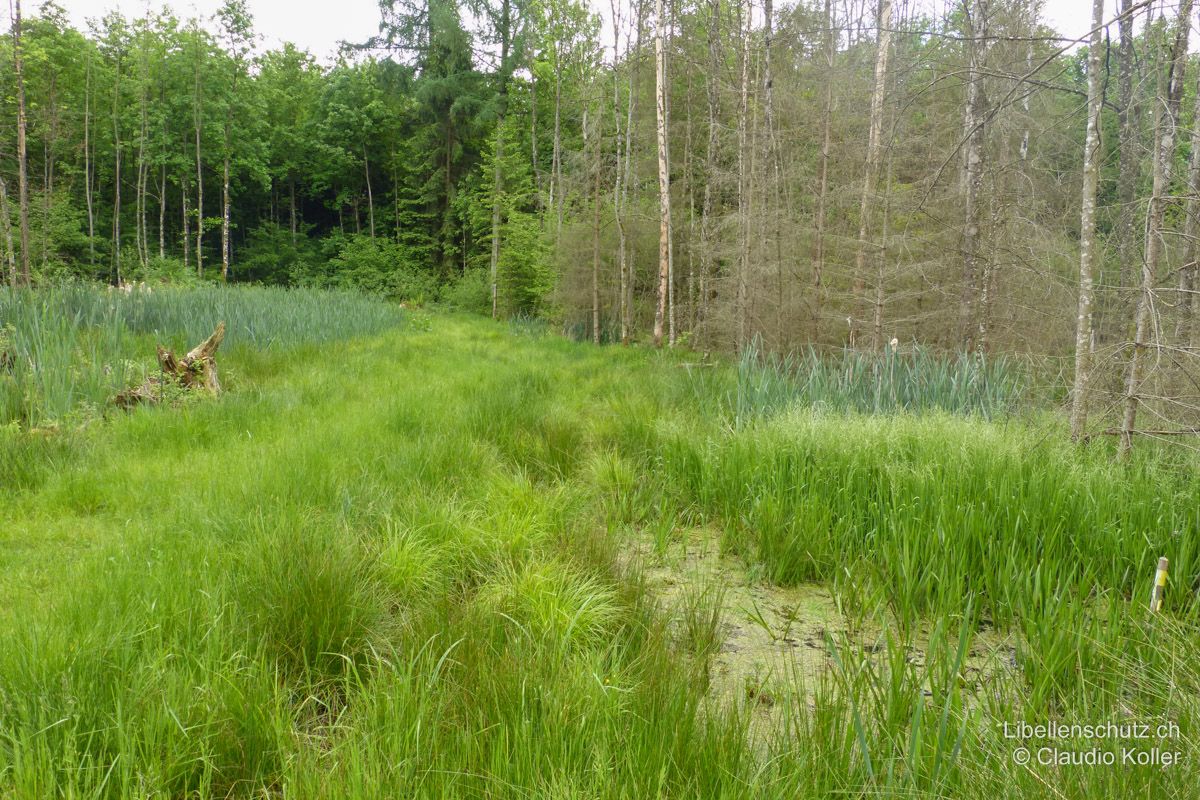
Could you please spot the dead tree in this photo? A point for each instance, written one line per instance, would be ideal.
(1170, 94)
(196, 371)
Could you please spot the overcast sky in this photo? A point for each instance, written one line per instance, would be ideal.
(319, 26)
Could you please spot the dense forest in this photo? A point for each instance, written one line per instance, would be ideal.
(714, 172)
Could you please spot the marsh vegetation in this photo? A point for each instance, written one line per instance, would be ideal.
(413, 554)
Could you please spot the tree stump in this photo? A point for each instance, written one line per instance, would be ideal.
(195, 371)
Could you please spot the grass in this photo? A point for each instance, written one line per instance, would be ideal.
(913, 380)
(391, 565)
(65, 351)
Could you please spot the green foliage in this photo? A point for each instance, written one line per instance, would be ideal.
(165, 271)
(470, 291)
(273, 255)
(380, 267)
(526, 277)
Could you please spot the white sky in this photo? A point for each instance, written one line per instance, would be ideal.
(319, 26)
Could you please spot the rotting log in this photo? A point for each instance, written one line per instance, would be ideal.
(195, 371)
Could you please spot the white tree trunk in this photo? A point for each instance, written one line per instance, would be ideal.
(664, 178)
(975, 125)
(883, 46)
(1087, 227)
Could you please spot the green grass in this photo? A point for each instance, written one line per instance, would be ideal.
(65, 351)
(392, 566)
(914, 380)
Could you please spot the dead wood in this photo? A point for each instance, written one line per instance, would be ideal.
(195, 371)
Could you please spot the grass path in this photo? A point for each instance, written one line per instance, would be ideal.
(399, 566)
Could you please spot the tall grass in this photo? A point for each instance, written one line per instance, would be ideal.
(915, 380)
(77, 344)
(934, 509)
(395, 569)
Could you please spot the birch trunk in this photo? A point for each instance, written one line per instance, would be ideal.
(664, 179)
(818, 251)
(162, 212)
(881, 263)
(1087, 227)
(871, 172)
(975, 125)
(225, 214)
(667, 155)
(618, 175)
(186, 228)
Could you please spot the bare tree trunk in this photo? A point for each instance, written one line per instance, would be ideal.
(1031, 19)
(1170, 93)
(627, 181)
(10, 256)
(1191, 232)
(116, 240)
(494, 272)
(140, 235)
(225, 212)
(707, 262)
(595, 229)
(743, 267)
(618, 218)
(187, 232)
(196, 124)
(1129, 167)
(556, 189)
(881, 262)
(689, 194)
(48, 147)
(533, 138)
(664, 178)
(22, 162)
(498, 160)
(973, 166)
(671, 331)
(1087, 227)
(871, 172)
(818, 251)
(776, 212)
(162, 212)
